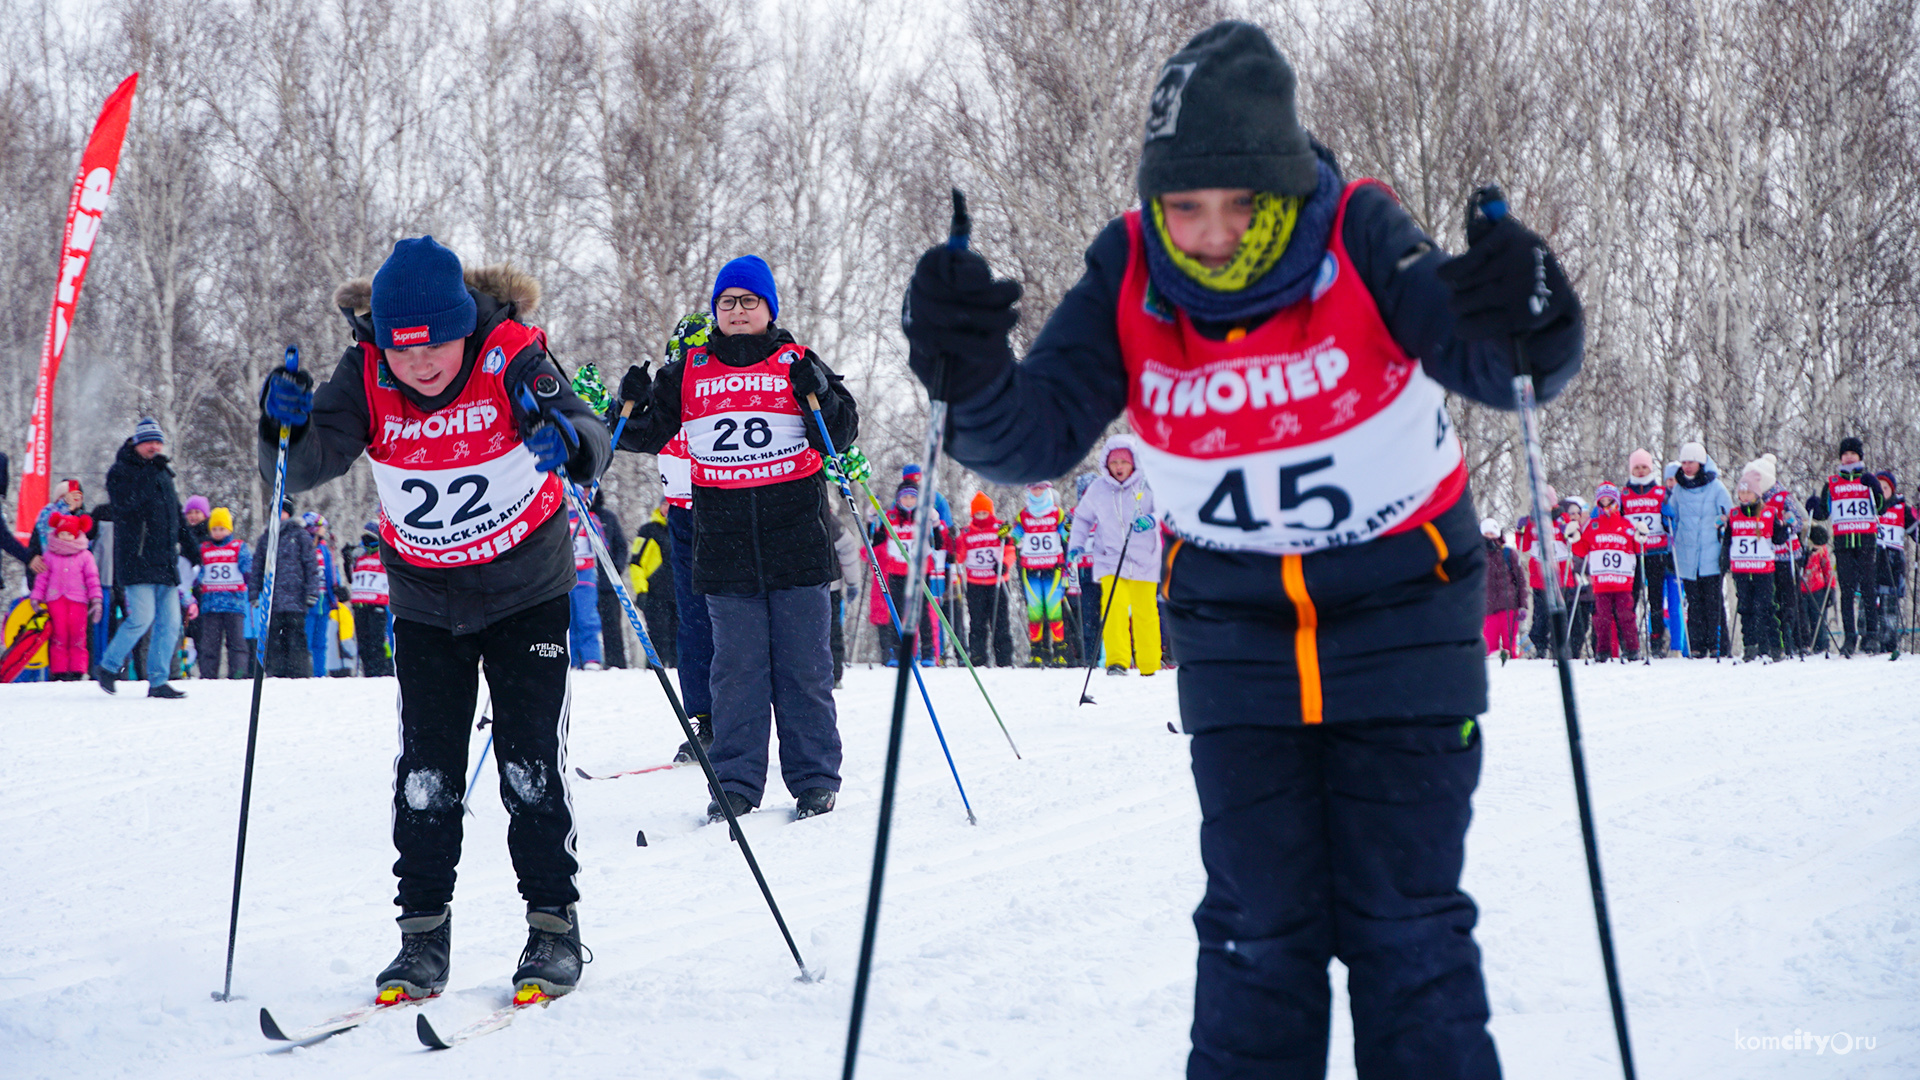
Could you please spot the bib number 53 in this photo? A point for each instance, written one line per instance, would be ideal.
(1231, 495)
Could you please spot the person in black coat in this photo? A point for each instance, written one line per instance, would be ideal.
(1282, 342)
(761, 553)
(149, 538)
(296, 589)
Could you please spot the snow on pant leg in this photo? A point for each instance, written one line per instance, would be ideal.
(140, 604)
(583, 632)
(694, 645)
(317, 625)
(525, 662)
(1261, 1000)
(67, 642)
(802, 667)
(1854, 567)
(1398, 803)
(439, 677)
(1606, 634)
(1143, 608)
(613, 621)
(742, 693)
(370, 632)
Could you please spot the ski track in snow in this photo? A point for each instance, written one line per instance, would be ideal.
(1759, 828)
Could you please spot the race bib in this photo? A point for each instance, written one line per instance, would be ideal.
(1752, 549)
(1646, 523)
(1890, 537)
(1609, 561)
(369, 587)
(222, 577)
(984, 560)
(1040, 546)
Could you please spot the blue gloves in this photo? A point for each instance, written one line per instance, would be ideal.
(553, 442)
(1142, 523)
(287, 397)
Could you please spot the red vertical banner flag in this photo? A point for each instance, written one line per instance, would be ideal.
(98, 167)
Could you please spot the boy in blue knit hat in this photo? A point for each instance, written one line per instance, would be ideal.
(469, 426)
(762, 555)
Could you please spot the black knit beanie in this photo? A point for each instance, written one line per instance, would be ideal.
(1222, 116)
(1853, 443)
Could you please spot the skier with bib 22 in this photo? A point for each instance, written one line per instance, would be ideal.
(479, 568)
(1282, 343)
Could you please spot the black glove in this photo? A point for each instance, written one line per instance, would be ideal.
(287, 397)
(342, 594)
(956, 319)
(808, 377)
(637, 386)
(1507, 284)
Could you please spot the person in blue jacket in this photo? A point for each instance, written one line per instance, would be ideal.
(1700, 505)
(1281, 342)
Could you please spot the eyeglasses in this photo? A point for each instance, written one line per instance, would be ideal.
(744, 303)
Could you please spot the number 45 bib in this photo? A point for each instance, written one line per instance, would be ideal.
(1313, 431)
(457, 486)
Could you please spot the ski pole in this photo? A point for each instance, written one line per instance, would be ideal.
(1093, 661)
(1490, 204)
(1646, 583)
(938, 609)
(467, 799)
(605, 559)
(909, 646)
(259, 678)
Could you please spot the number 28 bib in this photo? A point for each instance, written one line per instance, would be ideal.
(1313, 431)
(743, 426)
(457, 486)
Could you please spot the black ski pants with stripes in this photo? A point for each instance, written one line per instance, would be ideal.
(1338, 840)
(525, 659)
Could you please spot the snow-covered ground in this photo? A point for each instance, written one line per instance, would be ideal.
(1758, 829)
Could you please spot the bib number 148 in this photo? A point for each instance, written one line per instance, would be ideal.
(1229, 507)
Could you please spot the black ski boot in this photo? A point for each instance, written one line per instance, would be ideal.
(741, 807)
(550, 964)
(702, 730)
(813, 802)
(426, 948)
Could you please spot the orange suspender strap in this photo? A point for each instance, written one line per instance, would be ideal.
(1440, 546)
(1306, 644)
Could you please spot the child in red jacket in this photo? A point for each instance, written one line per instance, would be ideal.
(1609, 547)
(69, 590)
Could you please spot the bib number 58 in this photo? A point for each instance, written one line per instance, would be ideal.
(1231, 495)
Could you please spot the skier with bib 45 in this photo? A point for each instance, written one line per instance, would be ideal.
(479, 568)
(1282, 342)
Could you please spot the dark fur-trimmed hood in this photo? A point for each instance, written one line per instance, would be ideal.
(502, 284)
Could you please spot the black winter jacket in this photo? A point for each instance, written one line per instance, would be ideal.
(462, 599)
(616, 538)
(750, 541)
(149, 531)
(1392, 628)
(296, 569)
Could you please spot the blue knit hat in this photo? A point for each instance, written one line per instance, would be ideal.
(749, 272)
(420, 297)
(148, 430)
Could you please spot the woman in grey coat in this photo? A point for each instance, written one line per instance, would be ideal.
(1700, 508)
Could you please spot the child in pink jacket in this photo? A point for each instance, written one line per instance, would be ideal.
(69, 589)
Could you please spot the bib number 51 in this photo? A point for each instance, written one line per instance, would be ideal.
(1231, 494)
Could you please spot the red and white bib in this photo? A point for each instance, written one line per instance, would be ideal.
(582, 545)
(1851, 504)
(982, 547)
(1611, 553)
(1752, 540)
(1041, 545)
(369, 580)
(457, 486)
(1892, 521)
(676, 472)
(891, 561)
(1642, 506)
(1313, 431)
(220, 567)
(743, 426)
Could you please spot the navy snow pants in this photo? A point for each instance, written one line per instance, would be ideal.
(771, 655)
(694, 644)
(1339, 840)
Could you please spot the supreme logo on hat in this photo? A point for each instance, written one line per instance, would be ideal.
(410, 335)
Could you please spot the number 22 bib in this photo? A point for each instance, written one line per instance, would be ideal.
(1313, 431)
(457, 486)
